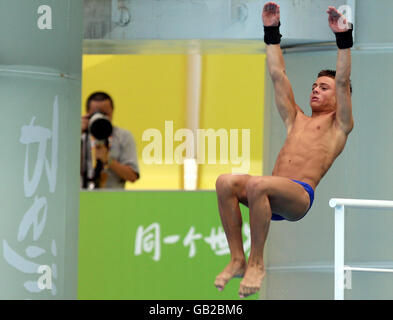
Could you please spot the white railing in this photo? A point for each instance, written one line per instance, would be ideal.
(340, 268)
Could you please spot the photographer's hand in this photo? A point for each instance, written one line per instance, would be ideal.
(102, 153)
(123, 171)
(85, 122)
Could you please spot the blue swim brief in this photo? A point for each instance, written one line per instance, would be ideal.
(310, 192)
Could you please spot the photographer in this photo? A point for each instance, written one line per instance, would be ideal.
(106, 162)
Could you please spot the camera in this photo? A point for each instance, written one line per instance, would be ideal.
(100, 126)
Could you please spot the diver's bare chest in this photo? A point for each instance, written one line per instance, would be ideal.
(306, 128)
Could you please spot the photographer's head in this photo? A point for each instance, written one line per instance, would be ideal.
(100, 102)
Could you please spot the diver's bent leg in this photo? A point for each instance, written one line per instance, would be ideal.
(260, 216)
(230, 190)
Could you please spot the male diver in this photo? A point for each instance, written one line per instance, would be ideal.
(312, 144)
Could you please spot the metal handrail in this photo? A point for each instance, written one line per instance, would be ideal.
(339, 229)
(361, 203)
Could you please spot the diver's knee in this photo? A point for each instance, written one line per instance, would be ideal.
(257, 187)
(228, 182)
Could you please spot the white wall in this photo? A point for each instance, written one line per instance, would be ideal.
(303, 251)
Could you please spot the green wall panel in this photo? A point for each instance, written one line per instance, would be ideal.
(182, 246)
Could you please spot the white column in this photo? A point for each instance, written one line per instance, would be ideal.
(194, 75)
(339, 245)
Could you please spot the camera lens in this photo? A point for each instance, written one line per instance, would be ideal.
(100, 126)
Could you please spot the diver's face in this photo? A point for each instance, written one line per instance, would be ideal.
(323, 94)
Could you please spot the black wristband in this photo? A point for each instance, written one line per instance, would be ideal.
(344, 40)
(272, 34)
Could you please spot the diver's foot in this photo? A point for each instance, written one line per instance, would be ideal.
(252, 280)
(234, 269)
